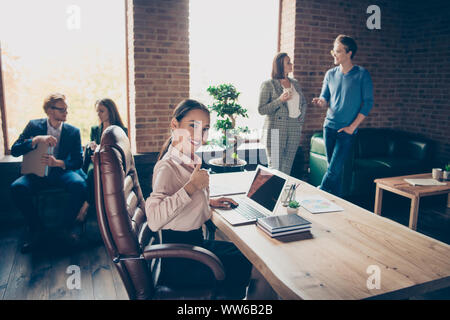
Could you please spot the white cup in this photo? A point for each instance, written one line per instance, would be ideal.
(437, 173)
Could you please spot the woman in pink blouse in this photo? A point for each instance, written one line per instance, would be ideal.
(179, 205)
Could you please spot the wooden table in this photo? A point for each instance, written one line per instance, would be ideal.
(399, 186)
(342, 255)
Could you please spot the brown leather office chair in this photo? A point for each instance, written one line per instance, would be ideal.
(133, 247)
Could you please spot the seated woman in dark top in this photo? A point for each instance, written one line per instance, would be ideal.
(108, 115)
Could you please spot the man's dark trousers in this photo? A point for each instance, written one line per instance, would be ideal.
(338, 147)
(25, 187)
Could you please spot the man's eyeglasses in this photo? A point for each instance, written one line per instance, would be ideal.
(62, 110)
(332, 52)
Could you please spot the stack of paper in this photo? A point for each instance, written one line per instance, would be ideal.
(318, 204)
(424, 182)
(276, 226)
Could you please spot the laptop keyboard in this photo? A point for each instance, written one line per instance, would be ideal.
(248, 211)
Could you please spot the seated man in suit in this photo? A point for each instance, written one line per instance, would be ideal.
(66, 159)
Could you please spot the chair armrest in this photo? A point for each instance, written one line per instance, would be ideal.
(178, 250)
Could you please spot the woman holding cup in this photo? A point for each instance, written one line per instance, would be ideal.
(282, 102)
(180, 204)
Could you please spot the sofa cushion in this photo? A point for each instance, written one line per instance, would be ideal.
(410, 148)
(318, 144)
(377, 153)
(371, 165)
(318, 165)
(400, 166)
(371, 143)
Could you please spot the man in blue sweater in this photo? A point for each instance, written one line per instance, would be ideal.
(347, 92)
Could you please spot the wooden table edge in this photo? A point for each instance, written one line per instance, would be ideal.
(414, 290)
(280, 287)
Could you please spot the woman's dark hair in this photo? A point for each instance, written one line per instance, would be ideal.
(278, 66)
(114, 116)
(180, 111)
(348, 43)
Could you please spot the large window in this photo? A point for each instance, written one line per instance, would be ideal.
(73, 47)
(233, 41)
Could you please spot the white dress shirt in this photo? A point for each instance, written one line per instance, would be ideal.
(55, 132)
(169, 206)
(294, 103)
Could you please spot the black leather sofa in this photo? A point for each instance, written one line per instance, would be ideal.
(376, 153)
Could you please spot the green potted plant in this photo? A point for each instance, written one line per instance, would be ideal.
(293, 206)
(447, 172)
(227, 110)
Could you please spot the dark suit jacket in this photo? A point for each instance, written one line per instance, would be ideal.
(70, 149)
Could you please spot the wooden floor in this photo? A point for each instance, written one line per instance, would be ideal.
(42, 275)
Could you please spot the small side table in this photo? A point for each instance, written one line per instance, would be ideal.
(399, 186)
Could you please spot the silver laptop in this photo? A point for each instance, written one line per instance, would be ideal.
(262, 198)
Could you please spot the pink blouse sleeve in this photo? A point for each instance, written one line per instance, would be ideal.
(165, 202)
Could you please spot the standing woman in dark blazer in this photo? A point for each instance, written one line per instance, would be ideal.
(108, 115)
(284, 105)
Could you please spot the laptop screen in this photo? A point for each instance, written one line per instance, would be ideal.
(266, 189)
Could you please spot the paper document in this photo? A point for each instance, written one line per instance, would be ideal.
(318, 204)
(424, 182)
(31, 162)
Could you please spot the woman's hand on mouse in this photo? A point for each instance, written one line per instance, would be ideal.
(222, 203)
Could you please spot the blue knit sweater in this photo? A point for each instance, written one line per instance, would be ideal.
(347, 95)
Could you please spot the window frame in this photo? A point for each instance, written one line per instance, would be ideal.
(7, 149)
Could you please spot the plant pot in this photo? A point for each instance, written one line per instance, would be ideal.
(446, 175)
(292, 210)
(217, 166)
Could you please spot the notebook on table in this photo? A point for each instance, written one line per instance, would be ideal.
(424, 182)
(261, 199)
(284, 222)
(276, 226)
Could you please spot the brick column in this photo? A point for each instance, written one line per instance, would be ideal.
(158, 54)
(2, 109)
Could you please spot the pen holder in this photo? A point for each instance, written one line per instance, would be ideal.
(286, 196)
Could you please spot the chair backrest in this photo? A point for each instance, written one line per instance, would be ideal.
(121, 211)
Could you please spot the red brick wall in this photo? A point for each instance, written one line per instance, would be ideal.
(159, 71)
(389, 54)
(426, 98)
